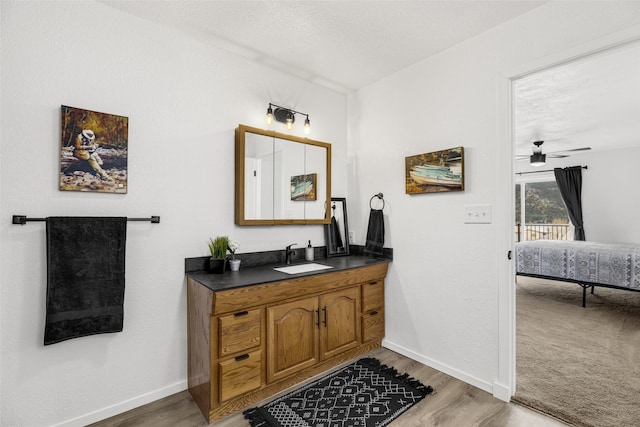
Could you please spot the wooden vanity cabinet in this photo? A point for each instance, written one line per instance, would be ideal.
(373, 310)
(239, 353)
(292, 338)
(339, 319)
(245, 344)
(302, 333)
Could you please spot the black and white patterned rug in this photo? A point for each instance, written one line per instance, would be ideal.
(363, 394)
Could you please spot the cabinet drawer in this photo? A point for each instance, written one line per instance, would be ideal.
(372, 295)
(239, 331)
(373, 325)
(240, 375)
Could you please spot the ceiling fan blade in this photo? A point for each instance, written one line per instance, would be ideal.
(557, 156)
(571, 149)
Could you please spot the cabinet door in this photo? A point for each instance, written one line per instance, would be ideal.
(292, 337)
(340, 321)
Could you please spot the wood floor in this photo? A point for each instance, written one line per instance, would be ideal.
(454, 404)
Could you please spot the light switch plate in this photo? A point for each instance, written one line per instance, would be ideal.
(477, 214)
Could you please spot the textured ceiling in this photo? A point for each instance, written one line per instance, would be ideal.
(344, 45)
(592, 102)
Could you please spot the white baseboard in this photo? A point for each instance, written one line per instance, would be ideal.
(124, 406)
(469, 379)
(502, 392)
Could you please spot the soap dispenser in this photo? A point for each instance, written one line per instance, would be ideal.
(308, 253)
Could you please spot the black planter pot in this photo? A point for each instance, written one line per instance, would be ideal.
(217, 265)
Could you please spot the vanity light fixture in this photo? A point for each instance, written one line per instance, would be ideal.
(287, 116)
(537, 159)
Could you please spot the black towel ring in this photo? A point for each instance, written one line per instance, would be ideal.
(379, 196)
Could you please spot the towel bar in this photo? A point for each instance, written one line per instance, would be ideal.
(22, 219)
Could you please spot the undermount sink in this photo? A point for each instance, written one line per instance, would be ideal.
(302, 268)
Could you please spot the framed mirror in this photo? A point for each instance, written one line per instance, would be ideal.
(337, 231)
(281, 179)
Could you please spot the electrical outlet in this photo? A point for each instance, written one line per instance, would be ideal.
(477, 214)
(352, 237)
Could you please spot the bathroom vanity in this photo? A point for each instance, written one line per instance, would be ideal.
(258, 331)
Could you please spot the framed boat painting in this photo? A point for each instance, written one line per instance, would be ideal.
(303, 187)
(93, 151)
(436, 172)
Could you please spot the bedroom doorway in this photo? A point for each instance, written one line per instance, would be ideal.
(549, 105)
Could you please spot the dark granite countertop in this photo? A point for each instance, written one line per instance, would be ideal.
(253, 275)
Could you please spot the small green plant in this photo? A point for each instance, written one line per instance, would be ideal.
(218, 246)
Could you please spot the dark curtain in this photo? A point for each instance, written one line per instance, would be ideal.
(570, 184)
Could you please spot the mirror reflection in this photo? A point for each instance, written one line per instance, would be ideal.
(281, 179)
(337, 231)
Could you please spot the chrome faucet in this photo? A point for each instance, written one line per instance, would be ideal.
(288, 252)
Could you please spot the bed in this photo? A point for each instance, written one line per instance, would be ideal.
(588, 264)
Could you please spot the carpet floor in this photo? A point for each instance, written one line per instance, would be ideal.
(581, 365)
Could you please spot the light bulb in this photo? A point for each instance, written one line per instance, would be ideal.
(307, 126)
(269, 115)
(290, 120)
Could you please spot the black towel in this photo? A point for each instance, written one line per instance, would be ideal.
(336, 239)
(375, 233)
(85, 276)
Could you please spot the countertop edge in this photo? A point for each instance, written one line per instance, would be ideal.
(256, 275)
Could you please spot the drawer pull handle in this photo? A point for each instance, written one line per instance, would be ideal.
(241, 313)
(373, 283)
(318, 313)
(325, 316)
(373, 313)
(243, 357)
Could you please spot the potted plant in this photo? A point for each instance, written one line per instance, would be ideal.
(233, 262)
(218, 248)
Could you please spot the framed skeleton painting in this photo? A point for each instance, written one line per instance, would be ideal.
(93, 151)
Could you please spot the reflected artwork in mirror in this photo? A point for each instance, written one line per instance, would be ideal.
(281, 179)
(337, 231)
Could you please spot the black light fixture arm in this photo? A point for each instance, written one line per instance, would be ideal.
(287, 109)
(286, 115)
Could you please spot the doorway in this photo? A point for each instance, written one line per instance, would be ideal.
(563, 131)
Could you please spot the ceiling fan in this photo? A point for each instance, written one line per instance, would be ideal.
(538, 158)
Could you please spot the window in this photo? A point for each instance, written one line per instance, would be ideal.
(540, 212)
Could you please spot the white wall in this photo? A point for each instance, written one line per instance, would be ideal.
(610, 203)
(184, 100)
(449, 300)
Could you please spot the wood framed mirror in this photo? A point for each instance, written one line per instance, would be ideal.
(336, 233)
(281, 179)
